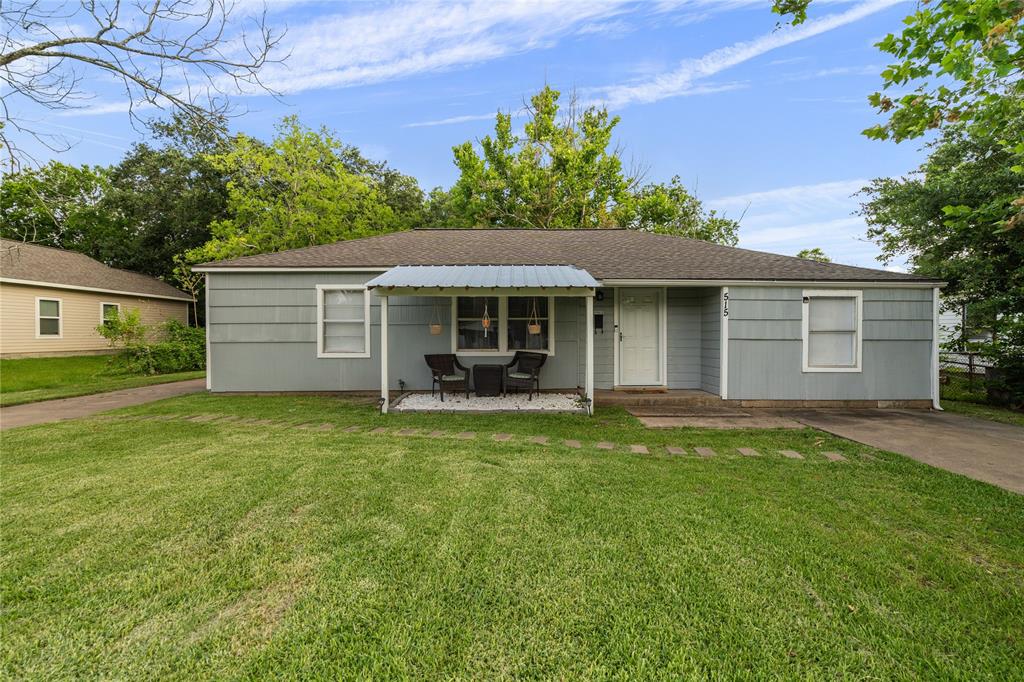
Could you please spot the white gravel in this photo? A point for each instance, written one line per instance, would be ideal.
(514, 402)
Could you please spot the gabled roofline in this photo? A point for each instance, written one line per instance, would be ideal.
(75, 287)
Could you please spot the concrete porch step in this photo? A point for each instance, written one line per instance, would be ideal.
(670, 398)
(684, 411)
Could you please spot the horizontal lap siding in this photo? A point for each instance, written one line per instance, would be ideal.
(711, 341)
(684, 337)
(765, 347)
(604, 342)
(262, 330)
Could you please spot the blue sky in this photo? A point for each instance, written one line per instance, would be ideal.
(760, 122)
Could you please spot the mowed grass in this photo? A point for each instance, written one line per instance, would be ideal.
(140, 549)
(28, 380)
(980, 411)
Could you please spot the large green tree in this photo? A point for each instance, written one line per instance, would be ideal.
(300, 189)
(563, 172)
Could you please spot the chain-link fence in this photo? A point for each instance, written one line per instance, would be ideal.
(964, 376)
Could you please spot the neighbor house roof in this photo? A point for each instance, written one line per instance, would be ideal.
(44, 265)
(604, 253)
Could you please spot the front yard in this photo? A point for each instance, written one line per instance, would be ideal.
(29, 380)
(149, 545)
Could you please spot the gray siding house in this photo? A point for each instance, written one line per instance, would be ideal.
(617, 309)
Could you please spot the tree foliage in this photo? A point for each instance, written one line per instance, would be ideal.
(562, 172)
(300, 189)
(815, 253)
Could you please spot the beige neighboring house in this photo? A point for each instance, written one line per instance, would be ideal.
(51, 300)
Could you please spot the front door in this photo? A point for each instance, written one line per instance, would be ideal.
(639, 337)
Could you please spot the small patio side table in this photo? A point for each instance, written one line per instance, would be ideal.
(487, 379)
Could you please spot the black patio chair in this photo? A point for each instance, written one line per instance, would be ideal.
(445, 370)
(524, 371)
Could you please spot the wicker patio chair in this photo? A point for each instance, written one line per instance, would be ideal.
(445, 370)
(524, 371)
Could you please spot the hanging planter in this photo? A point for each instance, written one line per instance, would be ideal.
(533, 324)
(435, 322)
(486, 321)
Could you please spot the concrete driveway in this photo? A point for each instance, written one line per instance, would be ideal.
(83, 406)
(983, 450)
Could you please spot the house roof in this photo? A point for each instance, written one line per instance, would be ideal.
(485, 276)
(45, 265)
(604, 253)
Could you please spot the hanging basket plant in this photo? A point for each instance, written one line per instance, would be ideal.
(533, 324)
(486, 321)
(435, 322)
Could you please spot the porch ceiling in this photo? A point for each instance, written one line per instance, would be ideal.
(437, 277)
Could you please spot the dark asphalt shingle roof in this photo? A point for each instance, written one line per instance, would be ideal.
(605, 254)
(48, 265)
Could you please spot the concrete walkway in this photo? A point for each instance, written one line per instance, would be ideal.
(977, 448)
(72, 408)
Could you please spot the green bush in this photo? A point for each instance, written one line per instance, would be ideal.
(183, 349)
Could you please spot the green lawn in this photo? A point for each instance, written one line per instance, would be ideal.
(990, 412)
(141, 548)
(29, 380)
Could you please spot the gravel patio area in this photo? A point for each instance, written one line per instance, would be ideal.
(513, 402)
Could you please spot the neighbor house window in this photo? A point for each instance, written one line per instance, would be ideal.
(512, 319)
(48, 322)
(832, 331)
(109, 313)
(343, 321)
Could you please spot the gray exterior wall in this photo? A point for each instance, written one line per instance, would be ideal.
(262, 331)
(765, 347)
(711, 340)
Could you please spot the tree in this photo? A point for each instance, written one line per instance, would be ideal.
(814, 254)
(945, 220)
(185, 55)
(63, 206)
(168, 194)
(562, 173)
(671, 209)
(400, 192)
(558, 174)
(295, 191)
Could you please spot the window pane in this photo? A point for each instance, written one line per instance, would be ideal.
(522, 306)
(832, 314)
(471, 335)
(831, 349)
(49, 309)
(49, 326)
(473, 306)
(344, 337)
(520, 338)
(110, 313)
(343, 304)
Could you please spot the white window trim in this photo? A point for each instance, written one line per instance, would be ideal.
(60, 318)
(106, 303)
(502, 327)
(858, 302)
(321, 289)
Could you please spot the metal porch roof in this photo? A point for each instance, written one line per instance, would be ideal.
(485, 276)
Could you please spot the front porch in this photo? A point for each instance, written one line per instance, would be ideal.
(542, 403)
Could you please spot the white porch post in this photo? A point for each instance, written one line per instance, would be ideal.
(589, 388)
(936, 385)
(384, 354)
(723, 372)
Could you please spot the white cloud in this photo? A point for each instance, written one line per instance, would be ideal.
(681, 80)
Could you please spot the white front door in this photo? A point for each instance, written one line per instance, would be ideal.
(639, 337)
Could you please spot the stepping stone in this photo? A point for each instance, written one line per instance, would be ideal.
(228, 418)
(304, 425)
(324, 427)
(502, 437)
(203, 417)
(705, 452)
(539, 440)
(379, 430)
(249, 420)
(639, 449)
(408, 432)
(352, 429)
(673, 450)
(575, 444)
(435, 434)
(749, 452)
(264, 422)
(605, 445)
(833, 457)
(792, 454)
(466, 435)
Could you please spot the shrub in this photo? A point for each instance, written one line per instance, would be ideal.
(123, 328)
(182, 350)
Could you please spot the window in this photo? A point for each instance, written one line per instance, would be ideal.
(343, 321)
(510, 320)
(48, 322)
(109, 313)
(832, 331)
